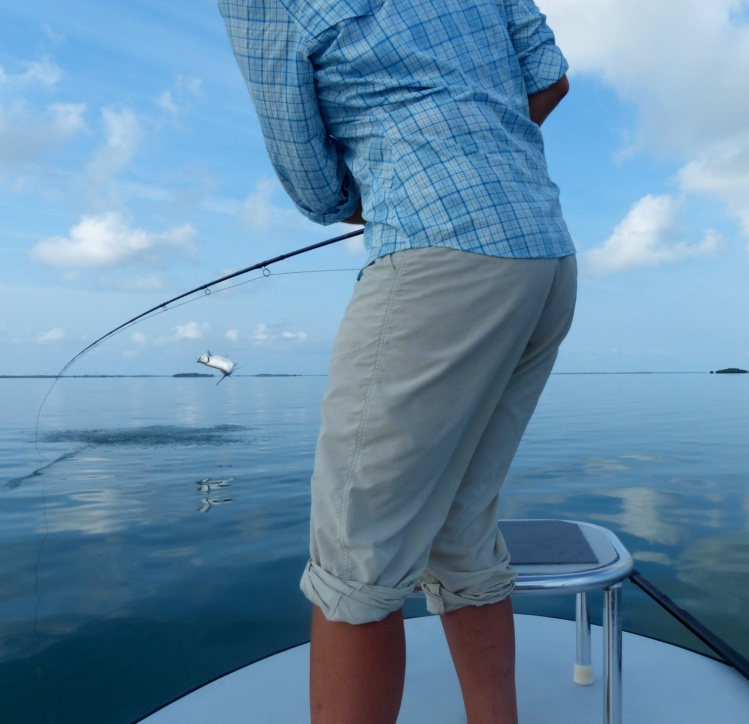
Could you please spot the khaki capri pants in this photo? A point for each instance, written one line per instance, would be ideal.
(436, 370)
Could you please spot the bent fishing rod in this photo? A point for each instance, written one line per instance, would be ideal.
(206, 288)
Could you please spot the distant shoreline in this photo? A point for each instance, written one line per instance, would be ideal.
(177, 376)
(267, 374)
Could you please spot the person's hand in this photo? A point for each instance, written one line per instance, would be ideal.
(356, 217)
(543, 103)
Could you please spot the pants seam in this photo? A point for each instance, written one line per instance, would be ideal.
(384, 328)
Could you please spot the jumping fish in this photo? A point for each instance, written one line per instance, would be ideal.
(224, 365)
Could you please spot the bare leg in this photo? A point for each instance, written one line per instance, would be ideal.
(482, 645)
(356, 671)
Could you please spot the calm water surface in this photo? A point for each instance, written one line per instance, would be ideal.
(160, 541)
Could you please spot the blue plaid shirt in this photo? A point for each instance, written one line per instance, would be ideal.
(418, 107)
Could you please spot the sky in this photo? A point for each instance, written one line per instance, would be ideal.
(132, 169)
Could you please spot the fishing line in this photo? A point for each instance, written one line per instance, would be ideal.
(206, 288)
(210, 292)
(266, 273)
(169, 304)
(37, 667)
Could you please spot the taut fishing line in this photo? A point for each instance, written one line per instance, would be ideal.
(159, 308)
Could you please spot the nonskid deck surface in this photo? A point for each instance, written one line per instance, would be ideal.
(662, 684)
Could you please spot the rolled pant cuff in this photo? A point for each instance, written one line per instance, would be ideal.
(441, 601)
(350, 601)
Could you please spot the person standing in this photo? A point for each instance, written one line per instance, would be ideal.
(420, 119)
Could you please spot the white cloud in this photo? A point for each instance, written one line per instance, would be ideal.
(191, 330)
(192, 85)
(67, 117)
(261, 333)
(165, 101)
(267, 210)
(232, 335)
(106, 241)
(650, 234)
(43, 72)
(685, 68)
(27, 136)
(54, 335)
(51, 34)
(31, 131)
(123, 133)
(36, 72)
(265, 335)
(185, 90)
(722, 171)
(663, 60)
(257, 210)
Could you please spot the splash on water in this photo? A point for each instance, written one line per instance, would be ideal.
(153, 436)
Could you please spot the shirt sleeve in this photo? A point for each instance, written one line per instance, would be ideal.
(270, 53)
(541, 60)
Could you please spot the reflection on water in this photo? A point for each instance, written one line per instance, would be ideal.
(206, 504)
(641, 514)
(605, 468)
(660, 460)
(207, 485)
(720, 557)
(141, 598)
(97, 511)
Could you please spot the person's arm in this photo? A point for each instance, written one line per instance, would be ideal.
(543, 103)
(280, 78)
(542, 63)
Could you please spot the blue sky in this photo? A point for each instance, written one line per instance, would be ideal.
(132, 169)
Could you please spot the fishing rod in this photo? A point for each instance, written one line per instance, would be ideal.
(202, 288)
(206, 288)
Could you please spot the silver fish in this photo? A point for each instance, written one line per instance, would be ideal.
(224, 365)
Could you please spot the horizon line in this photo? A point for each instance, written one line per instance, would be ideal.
(188, 375)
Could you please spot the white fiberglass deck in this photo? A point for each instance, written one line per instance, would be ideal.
(662, 684)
